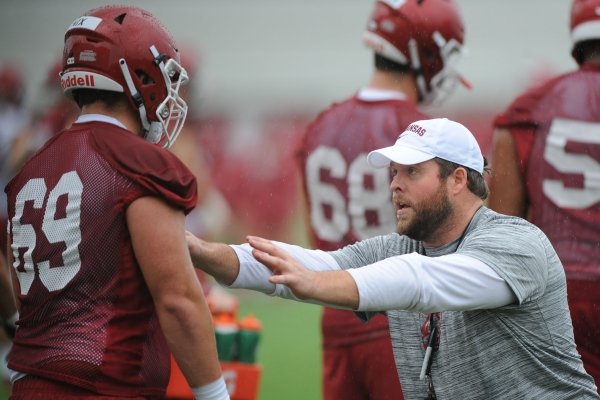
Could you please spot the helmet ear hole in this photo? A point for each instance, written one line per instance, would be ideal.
(119, 19)
(428, 55)
(144, 77)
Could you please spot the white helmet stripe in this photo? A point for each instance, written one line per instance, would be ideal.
(88, 80)
(586, 31)
(383, 47)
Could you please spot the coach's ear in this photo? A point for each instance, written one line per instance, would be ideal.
(457, 181)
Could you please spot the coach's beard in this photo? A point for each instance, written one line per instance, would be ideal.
(429, 217)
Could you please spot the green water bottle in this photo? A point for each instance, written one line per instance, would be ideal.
(248, 339)
(226, 335)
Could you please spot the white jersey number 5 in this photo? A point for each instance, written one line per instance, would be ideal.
(562, 131)
(62, 230)
(353, 216)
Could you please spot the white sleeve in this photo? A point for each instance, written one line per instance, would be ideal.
(254, 275)
(414, 282)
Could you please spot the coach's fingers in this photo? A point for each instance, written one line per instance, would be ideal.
(274, 263)
(280, 279)
(292, 279)
(261, 243)
(268, 246)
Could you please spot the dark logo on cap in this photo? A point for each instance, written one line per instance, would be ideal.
(419, 130)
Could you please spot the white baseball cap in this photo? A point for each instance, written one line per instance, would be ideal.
(430, 138)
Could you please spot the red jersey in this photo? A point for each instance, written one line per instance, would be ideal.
(86, 316)
(348, 199)
(556, 127)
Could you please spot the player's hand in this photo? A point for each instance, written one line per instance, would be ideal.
(216, 259)
(286, 269)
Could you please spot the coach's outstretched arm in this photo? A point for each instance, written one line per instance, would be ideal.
(236, 267)
(336, 288)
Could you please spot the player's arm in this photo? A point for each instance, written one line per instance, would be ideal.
(507, 186)
(216, 259)
(235, 265)
(182, 310)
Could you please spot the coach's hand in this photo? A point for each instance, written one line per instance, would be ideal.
(286, 269)
(333, 288)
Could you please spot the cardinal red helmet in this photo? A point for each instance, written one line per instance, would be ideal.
(426, 35)
(53, 74)
(12, 86)
(585, 24)
(126, 49)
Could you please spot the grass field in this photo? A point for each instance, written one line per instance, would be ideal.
(289, 350)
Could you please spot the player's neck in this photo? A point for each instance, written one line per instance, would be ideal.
(394, 81)
(126, 115)
(593, 61)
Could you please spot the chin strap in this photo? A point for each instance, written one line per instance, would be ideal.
(415, 64)
(152, 130)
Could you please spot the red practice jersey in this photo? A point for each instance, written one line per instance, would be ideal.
(348, 199)
(556, 127)
(86, 316)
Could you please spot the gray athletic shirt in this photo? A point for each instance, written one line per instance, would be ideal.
(520, 351)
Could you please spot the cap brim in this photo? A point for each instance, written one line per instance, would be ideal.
(399, 154)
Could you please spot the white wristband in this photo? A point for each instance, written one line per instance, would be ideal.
(213, 391)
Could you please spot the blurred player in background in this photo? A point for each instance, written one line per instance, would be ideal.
(415, 44)
(547, 169)
(13, 117)
(105, 285)
(8, 310)
(212, 216)
(8, 319)
(52, 111)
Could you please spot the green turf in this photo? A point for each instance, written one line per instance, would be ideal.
(290, 348)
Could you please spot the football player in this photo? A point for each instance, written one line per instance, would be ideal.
(51, 112)
(105, 284)
(415, 45)
(547, 169)
(13, 118)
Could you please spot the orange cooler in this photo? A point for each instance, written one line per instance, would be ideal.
(242, 381)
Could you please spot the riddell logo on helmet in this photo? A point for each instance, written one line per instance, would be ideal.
(82, 80)
(416, 129)
(373, 44)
